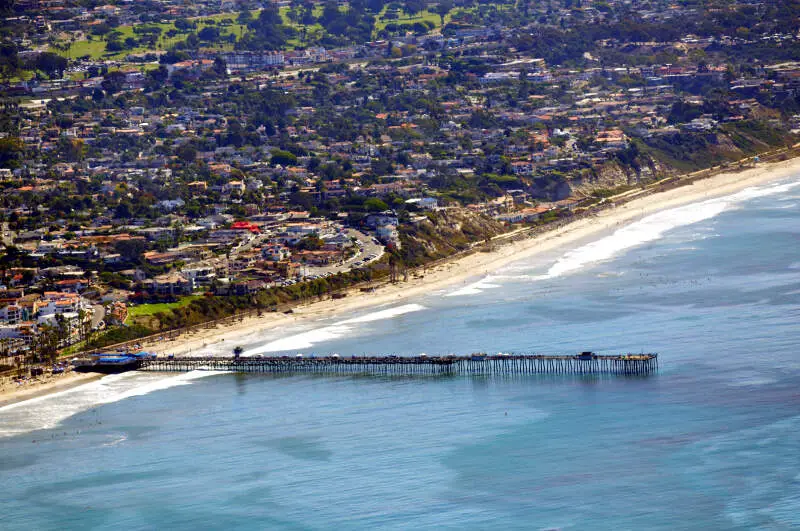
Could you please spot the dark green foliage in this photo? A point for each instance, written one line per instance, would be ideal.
(118, 335)
(268, 32)
(284, 158)
(50, 63)
(11, 152)
(312, 242)
(374, 204)
(208, 34)
(354, 24)
(683, 112)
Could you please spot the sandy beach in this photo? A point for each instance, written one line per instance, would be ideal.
(450, 274)
(460, 270)
(12, 391)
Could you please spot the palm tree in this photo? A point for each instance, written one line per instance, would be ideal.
(237, 351)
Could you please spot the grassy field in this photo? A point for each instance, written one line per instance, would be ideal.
(404, 18)
(142, 312)
(96, 47)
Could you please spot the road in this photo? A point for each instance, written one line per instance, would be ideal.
(8, 235)
(366, 247)
(98, 315)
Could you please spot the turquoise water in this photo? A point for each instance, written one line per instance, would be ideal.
(712, 441)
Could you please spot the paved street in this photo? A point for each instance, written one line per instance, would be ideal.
(366, 247)
(98, 315)
(7, 234)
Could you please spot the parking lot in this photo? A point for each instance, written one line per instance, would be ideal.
(368, 250)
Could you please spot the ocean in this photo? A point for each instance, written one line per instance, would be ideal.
(710, 442)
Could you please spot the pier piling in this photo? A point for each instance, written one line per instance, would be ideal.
(624, 364)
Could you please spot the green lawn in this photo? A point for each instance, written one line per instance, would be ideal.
(404, 18)
(96, 48)
(146, 310)
(73, 349)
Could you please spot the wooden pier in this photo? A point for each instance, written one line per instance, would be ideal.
(586, 363)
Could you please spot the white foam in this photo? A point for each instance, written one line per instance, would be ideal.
(385, 314)
(750, 379)
(762, 191)
(475, 288)
(511, 277)
(118, 440)
(307, 339)
(301, 341)
(646, 230)
(48, 411)
(653, 227)
(785, 207)
(162, 383)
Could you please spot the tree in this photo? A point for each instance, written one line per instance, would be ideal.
(183, 24)
(159, 75)
(311, 242)
(44, 345)
(9, 61)
(85, 325)
(244, 18)
(131, 250)
(192, 41)
(186, 153)
(51, 64)
(11, 150)
(443, 8)
(220, 68)
(373, 204)
(284, 158)
(209, 34)
(114, 45)
(113, 82)
(268, 32)
(71, 149)
(237, 351)
(412, 7)
(7, 6)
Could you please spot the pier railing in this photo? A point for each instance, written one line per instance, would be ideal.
(633, 364)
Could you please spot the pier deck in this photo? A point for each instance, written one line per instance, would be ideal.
(634, 364)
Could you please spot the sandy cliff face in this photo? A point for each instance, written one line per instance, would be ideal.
(613, 175)
(609, 175)
(445, 232)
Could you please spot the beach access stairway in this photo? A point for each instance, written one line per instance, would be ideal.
(623, 364)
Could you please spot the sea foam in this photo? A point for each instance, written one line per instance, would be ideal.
(648, 229)
(475, 288)
(309, 338)
(654, 226)
(48, 411)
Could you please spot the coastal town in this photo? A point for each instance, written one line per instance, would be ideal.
(399, 264)
(163, 164)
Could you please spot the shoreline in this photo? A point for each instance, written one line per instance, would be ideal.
(11, 393)
(455, 272)
(459, 270)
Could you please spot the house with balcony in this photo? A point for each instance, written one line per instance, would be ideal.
(169, 284)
